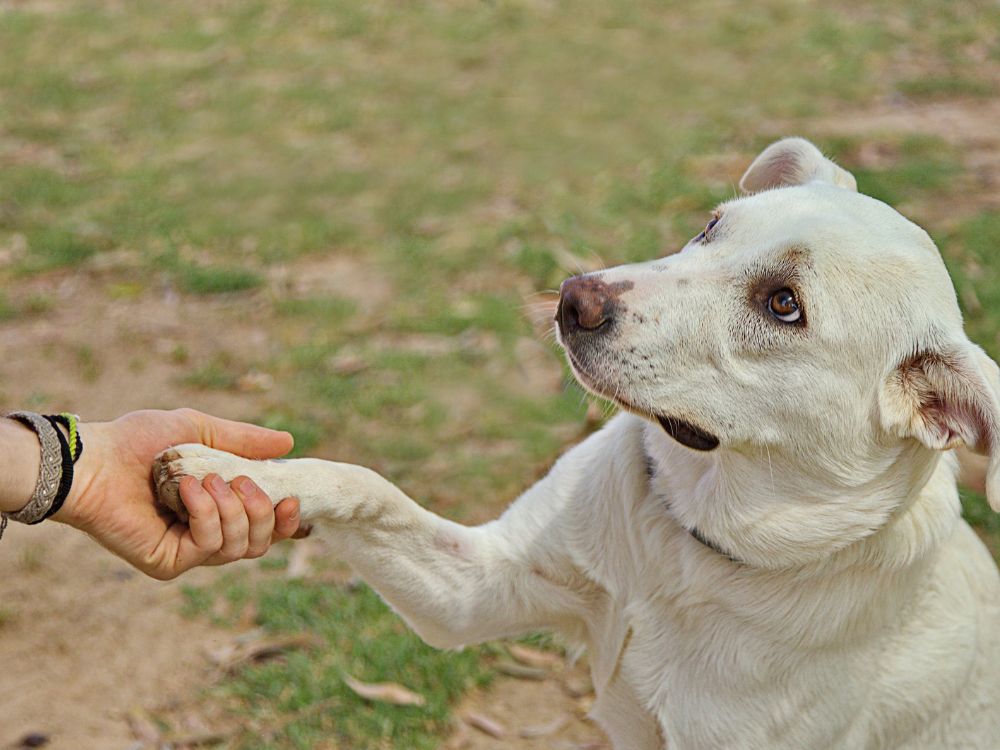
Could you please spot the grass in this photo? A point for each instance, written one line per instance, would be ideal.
(215, 375)
(216, 279)
(35, 304)
(972, 260)
(302, 699)
(7, 311)
(978, 512)
(923, 167)
(947, 86)
(457, 159)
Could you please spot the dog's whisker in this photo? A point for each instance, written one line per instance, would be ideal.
(601, 263)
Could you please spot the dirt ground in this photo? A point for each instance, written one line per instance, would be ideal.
(84, 639)
(85, 643)
(88, 647)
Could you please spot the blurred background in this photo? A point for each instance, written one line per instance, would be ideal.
(346, 220)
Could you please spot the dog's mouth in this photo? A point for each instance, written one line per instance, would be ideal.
(680, 430)
(687, 434)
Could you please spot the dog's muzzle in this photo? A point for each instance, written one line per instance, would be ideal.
(586, 315)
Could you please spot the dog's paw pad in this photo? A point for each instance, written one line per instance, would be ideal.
(198, 461)
(173, 464)
(167, 474)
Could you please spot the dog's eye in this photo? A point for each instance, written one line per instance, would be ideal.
(783, 305)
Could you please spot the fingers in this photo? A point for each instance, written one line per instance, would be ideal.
(238, 437)
(259, 513)
(219, 523)
(233, 517)
(204, 521)
(286, 519)
(247, 522)
(228, 522)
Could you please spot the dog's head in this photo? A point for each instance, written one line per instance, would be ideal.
(807, 322)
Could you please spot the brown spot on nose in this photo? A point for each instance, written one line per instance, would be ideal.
(588, 303)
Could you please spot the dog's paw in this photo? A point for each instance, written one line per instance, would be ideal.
(191, 459)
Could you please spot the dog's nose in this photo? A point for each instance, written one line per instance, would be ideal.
(585, 304)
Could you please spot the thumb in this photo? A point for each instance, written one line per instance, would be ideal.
(243, 439)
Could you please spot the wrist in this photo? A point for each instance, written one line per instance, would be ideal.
(19, 464)
(77, 507)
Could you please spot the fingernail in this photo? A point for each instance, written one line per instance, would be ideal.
(245, 486)
(216, 483)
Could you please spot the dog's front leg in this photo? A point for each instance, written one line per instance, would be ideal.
(453, 584)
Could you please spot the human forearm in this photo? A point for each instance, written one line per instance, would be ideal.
(19, 458)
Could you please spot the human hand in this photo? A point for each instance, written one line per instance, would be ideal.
(113, 500)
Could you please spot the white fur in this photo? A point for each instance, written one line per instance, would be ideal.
(860, 611)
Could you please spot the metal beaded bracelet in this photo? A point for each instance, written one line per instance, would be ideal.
(50, 471)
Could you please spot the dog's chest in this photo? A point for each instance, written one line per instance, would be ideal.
(711, 682)
(717, 669)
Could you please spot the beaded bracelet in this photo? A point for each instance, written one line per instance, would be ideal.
(55, 474)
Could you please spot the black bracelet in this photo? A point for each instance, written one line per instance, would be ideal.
(71, 422)
(66, 480)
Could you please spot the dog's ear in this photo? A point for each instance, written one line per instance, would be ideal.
(793, 161)
(947, 398)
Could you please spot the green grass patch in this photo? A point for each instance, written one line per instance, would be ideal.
(307, 432)
(487, 312)
(35, 304)
(977, 512)
(197, 601)
(215, 375)
(88, 363)
(51, 247)
(972, 253)
(933, 87)
(917, 167)
(7, 616)
(198, 279)
(331, 310)
(302, 699)
(7, 311)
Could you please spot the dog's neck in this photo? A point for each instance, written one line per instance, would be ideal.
(770, 511)
(651, 472)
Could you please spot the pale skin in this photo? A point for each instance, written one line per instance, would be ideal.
(112, 498)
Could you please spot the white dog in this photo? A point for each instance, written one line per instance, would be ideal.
(766, 551)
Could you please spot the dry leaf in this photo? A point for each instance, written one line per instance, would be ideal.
(347, 364)
(544, 730)
(485, 724)
(385, 692)
(254, 381)
(198, 739)
(522, 672)
(578, 687)
(245, 650)
(533, 657)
